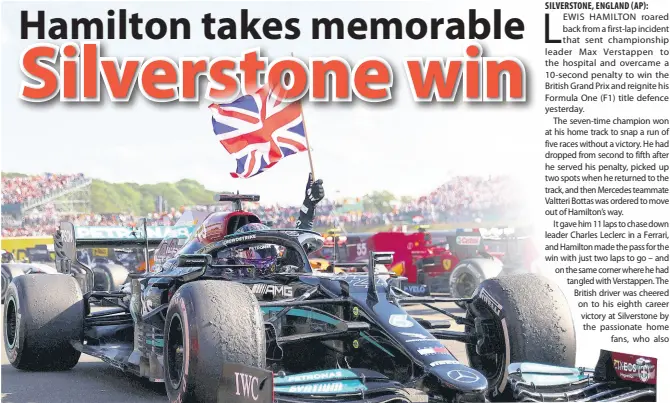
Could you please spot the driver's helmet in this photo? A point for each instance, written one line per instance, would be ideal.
(7, 257)
(262, 256)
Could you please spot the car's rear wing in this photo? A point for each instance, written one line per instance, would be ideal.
(237, 199)
(69, 238)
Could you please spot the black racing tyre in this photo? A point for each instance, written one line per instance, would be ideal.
(43, 316)
(109, 277)
(524, 318)
(209, 323)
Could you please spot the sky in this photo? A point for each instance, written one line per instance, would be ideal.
(400, 146)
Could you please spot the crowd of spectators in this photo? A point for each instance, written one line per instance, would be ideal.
(470, 197)
(461, 199)
(21, 189)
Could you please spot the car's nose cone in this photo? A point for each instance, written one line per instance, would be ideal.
(461, 378)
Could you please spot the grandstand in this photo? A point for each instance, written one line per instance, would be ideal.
(31, 205)
(73, 200)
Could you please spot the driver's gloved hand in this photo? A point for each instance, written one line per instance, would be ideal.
(314, 193)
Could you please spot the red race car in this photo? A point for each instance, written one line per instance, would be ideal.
(442, 261)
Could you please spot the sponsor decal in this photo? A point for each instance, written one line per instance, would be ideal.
(433, 350)
(468, 240)
(246, 385)
(399, 320)
(359, 281)
(272, 289)
(291, 233)
(416, 337)
(641, 370)
(356, 344)
(330, 387)
(66, 235)
(415, 289)
(101, 252)
(443, 362)
(318, 376)
(490, 301)
(180, 232)
(242, 384)
(446, 264)
(463, 376)
(261, 246)
(238, 239)
(153, 232)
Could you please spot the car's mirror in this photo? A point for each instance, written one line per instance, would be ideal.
(381, 258)
(310, 242)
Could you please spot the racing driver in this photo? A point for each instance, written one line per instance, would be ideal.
(264, 256)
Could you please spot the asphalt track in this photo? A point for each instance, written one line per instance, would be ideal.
(94, 381)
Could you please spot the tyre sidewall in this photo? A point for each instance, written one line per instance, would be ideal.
(6, 281)
(15, 350)
(178, 309)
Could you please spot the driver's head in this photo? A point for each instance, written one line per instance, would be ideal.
(262, 256)
(251, 228)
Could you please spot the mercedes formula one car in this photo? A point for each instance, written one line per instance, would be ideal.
(230, 316)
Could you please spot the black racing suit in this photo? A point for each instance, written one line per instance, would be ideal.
(313, 195)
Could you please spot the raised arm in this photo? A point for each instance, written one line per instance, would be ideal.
(314, 193)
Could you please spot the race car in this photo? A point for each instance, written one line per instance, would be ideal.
(330, 258)
(440, 261)
(220, 306)
(334, 247)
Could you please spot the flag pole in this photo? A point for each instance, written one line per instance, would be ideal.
(309, 149)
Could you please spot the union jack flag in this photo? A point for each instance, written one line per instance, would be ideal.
(259, 130)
